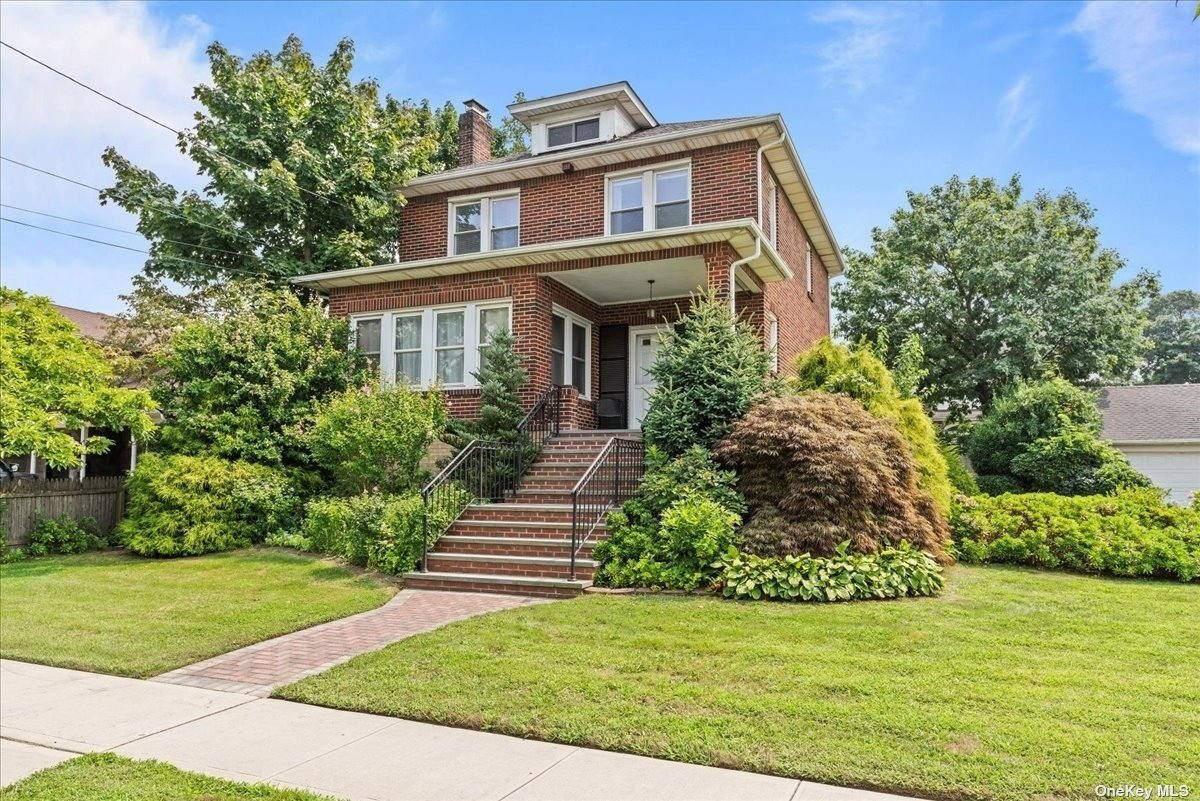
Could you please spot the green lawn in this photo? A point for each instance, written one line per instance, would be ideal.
(107, 777)
(1014, 684)
(115, 613)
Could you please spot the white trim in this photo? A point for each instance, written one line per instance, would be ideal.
(649, 195)
(773, 208)
(569, 319)
(631, 387)
(808, 268)
(773, 341)
(428, 314)
(485, 219)
(621, 93)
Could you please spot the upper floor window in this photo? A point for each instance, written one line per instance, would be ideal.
(575, 132)
(649, 200)
(489, 223)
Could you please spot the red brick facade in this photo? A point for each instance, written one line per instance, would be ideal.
(571, 206)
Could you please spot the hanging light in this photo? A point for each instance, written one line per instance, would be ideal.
(650, 311)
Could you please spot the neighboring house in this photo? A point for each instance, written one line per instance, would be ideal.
(1157, 427)
(586, 245)
(122, 455)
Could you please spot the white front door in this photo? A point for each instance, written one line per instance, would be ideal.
(643, 350)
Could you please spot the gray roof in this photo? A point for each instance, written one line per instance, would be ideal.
(93, 325)
(662, 129)
(1151, 412)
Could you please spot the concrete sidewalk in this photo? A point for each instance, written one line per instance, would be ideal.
(50, 714)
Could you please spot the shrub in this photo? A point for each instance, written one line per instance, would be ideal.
(188, 505)
(961, 477)
(997, 485)
(893, 572)
(65, 535)
(709, 370)
(862, 375)
(500, 378)
(374, 440)
(1074, 462)
(817, 469)
(240, 385)
(1028, 413)
(1132, 533)
(379, 531)
(683, 516)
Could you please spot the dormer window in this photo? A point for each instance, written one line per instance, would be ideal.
(573, 133)
(484, 224)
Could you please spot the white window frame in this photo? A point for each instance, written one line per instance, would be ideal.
(808, 268)
(570, 319)
(573, 122)
(472, 352)
(485, 219)
(773, 209)
(773, 341)
(649, 200)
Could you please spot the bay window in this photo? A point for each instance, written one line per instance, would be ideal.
(649, 200)
(439, 345)
(484, 224)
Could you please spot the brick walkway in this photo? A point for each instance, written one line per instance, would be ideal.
(257, 669)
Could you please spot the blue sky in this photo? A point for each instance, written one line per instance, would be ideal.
(1102, 97)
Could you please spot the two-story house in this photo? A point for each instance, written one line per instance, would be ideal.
(587, 243)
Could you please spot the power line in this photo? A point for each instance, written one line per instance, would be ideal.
(120, 195)
(160, 123)
(256, 274)
(119, 230)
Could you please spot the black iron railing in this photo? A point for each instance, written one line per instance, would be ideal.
(487, 471)
(612, 478)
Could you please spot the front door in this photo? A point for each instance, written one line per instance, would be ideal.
(643, 350)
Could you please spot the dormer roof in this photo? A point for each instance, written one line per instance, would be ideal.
(621, 92)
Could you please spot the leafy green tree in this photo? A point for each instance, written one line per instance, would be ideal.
(53, 381)
(374, 440)
(441, 126)
(999, 288)
(500, 377)
(510, 136)
(710, 369)
(303, 171)
(1174, 334)
(241, 385)
(1075, 462)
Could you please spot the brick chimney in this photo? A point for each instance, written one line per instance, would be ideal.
(474, 135)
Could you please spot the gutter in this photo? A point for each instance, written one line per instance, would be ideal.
(733, 268)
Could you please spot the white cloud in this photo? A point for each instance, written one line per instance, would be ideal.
(1152, 50)
(1017, 112)
(45, 120)
(868, 37)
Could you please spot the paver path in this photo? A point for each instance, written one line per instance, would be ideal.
(257, 669)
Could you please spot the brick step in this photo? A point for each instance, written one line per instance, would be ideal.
(540, 530)
(557, 469)
(512, 546)
(504, 585)
(549, 483)
(519, 512)
(556, 496)
(600, 435)
(569, 453)
(505, 565)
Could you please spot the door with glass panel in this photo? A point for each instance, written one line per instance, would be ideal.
(643, 346)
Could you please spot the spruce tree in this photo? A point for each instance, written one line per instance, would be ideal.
(500, 376)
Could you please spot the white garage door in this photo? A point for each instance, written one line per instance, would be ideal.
(1174, 470)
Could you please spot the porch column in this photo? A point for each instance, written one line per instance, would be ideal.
(717, 264)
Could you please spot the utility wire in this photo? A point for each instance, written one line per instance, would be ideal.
(160, 123)
(117, 194)
(118, 230)
(253, 273)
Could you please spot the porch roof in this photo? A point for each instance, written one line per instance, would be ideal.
(740, 234)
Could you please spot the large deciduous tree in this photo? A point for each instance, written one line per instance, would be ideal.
(999, 288)
(1174, 334)
(52, 381)
(302, 168)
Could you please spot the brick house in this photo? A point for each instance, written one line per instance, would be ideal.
(587, 243)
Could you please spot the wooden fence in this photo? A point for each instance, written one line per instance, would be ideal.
(23, 501)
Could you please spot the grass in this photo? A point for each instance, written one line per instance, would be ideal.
(1014, 684)
(129, 616)
(107, 777)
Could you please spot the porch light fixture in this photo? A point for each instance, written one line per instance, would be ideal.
(650, 311)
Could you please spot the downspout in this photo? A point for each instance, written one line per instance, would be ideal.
(733, 268)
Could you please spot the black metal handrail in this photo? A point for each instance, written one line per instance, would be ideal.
(611, 479)
(486, 470)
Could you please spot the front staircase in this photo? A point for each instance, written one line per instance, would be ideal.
(522, 544)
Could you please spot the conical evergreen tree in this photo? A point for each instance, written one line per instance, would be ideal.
(500, 376)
